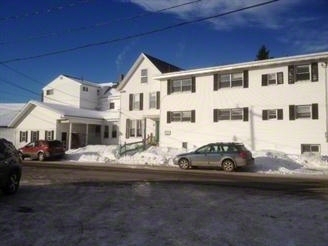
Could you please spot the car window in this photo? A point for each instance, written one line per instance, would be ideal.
(229, 148)
(204, 149)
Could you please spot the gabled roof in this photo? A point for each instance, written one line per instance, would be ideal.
(162, 66)
(8, 111)
(62, 110)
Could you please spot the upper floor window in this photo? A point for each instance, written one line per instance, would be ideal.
(136, 101)
(229, 80)
(181, 85)
(111, 105)
(308, 111)
(154, 100)
(144, 75)
(272, 114)
(303, 72)
(272, 79)
(181, 116)
(230, 114)
(50, 92)
(85, 88)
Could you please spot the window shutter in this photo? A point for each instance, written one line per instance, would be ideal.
(127, 127)
(141, 101)
(130, 102)
(264, 114)
(169, 87)
(20, 136)
(315, 111)
(168, 117)
(314, 72)
(52, 134)
(291, 74)
(158, 99)
(245, 113)
(26, 136)
(280, 114)
(280, 78)
(246, 79)
(37, 135)
(193, 116)
(193, 84)
(291, 112)
(215, 82)
(264, 79)
(215, 115)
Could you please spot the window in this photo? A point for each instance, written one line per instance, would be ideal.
(50, 92)
(309, 111)
(133, 128)
(111, 105)
(272, 114)
(23, 136)
(230, 114)
(303, 72)
(114, 131)
(181, 116)
(136, 101)
(49, 135)
(106, 132)
(181, 85)
(34, 136)
(85, 88)
(144, 75)
(154, 100)
(229, 80)
(272, 79)
(310, 148)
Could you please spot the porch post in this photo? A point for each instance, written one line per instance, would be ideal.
(70, 136)
(87, 135)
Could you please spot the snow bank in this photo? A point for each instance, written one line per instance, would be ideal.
(266, 161)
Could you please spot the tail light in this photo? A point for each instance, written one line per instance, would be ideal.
(243, 154)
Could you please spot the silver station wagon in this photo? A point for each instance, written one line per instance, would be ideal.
(228, 156)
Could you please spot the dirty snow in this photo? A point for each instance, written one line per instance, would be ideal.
(266, 161)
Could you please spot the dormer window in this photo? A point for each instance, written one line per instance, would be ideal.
(85, 88)
(50, 92)
(144, 75)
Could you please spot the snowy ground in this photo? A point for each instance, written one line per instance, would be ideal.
(266, 161)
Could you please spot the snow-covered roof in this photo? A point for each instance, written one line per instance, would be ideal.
(322, 56)
(8, 111)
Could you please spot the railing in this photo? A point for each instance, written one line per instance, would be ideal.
(131, 148)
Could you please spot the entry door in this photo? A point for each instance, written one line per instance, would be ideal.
(64, 139)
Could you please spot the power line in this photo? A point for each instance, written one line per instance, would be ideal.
(46, 11)
(97, 25)
(136, 35)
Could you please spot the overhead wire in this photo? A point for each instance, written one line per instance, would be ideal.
(100, 24)
(162, 29)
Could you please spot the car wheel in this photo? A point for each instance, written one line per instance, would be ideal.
(41, 156)
(228, 166)
(12, 184)
(21, 156)
(184, 163)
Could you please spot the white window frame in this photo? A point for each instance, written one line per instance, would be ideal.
(136, 102)
(182, 85)
(85, 88)
(152, 100)
(144, 75)
(302, 75)
(135, 128)
(303, 111)
(49, 92)
(312, 148)
(23, 136)
(230, 80)
(48, 135)
(181, 116)
(230, 114)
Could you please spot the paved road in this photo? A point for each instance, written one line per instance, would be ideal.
(66, 172)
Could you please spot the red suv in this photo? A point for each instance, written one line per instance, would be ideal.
(42, 149)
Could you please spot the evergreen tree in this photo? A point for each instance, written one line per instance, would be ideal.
(263, 53)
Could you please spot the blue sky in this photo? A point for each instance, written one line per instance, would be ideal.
(30, 28)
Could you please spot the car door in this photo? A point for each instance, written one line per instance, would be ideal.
(214, 155)
(200, 156)
(29, 150)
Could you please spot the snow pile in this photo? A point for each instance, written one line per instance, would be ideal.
(266, 161)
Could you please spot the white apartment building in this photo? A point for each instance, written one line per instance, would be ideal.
(275, 104)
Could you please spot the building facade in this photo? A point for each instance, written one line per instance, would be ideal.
(275, 104)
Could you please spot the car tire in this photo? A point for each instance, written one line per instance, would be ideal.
(228, 165)
(12, 184)
(41, 156)
(21, 156)
(184, 163)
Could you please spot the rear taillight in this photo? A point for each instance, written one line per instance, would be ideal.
(243, 154)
